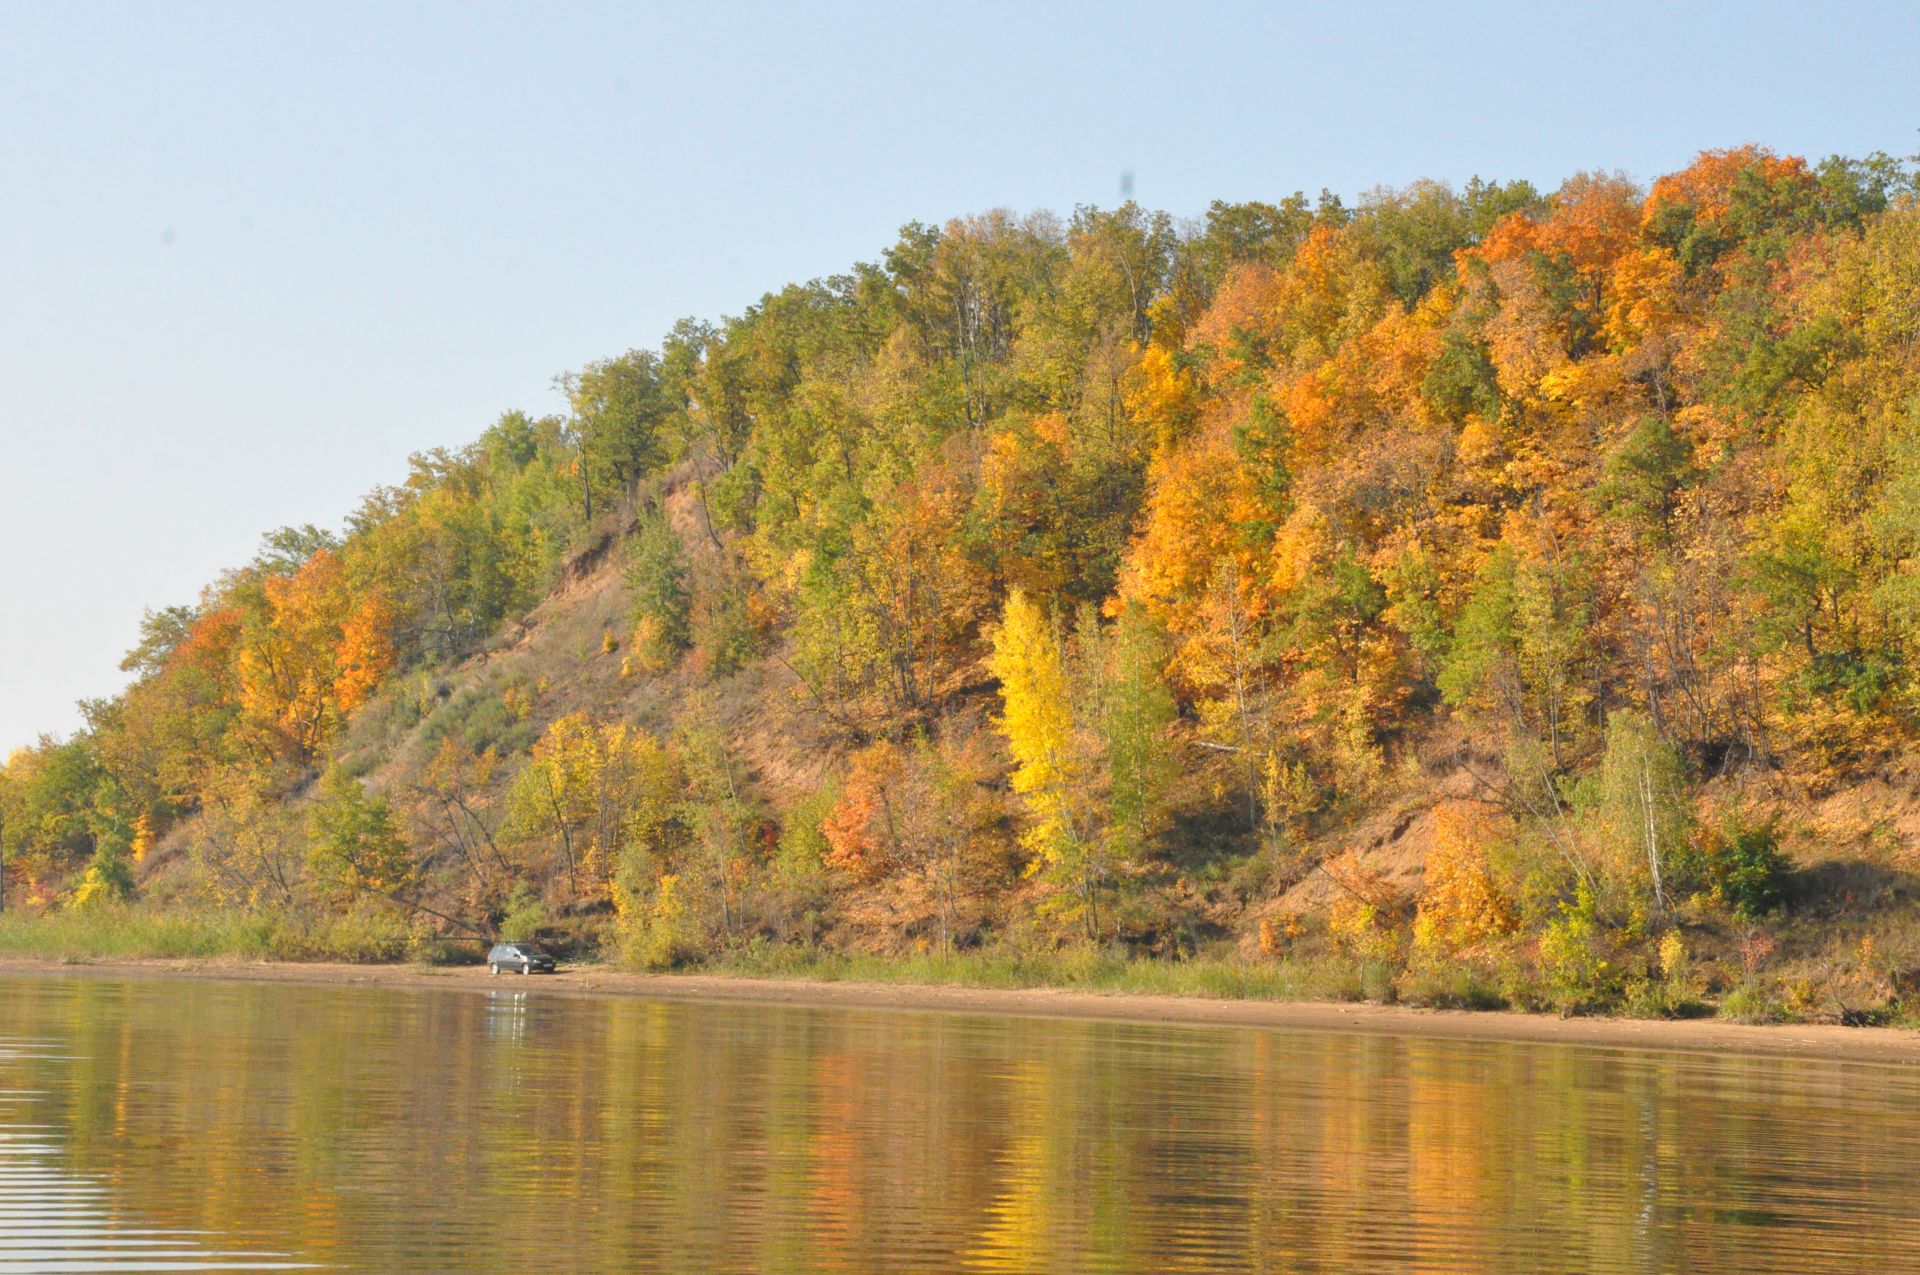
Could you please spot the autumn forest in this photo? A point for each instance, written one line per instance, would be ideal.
(1495, 596)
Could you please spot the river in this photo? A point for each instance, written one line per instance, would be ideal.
(154, 1124)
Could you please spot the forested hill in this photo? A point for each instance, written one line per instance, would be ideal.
(1493, 580)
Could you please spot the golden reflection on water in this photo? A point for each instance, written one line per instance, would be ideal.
(387, 1129)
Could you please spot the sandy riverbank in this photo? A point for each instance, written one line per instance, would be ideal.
(1886, 1045)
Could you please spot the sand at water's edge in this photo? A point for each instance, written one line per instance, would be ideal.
(1872, 1044)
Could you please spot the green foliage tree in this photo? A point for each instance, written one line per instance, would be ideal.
(662, 599)
(623, 409)
(1640, 803)
(355, 845)
(49, 811)
(718, 813)
(1136, 712)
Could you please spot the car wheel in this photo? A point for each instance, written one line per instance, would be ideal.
(526, 969)
(493, 970)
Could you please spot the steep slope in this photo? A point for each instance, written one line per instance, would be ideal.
(1486, 593)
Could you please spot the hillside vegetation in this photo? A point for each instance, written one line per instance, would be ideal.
(1484, 596)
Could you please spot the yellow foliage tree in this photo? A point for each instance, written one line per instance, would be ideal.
(598, 790)
(312, 657)
(1464, 906)
(1050, 770)
(1160, 395)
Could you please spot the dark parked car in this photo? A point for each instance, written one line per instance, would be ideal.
(518, 956)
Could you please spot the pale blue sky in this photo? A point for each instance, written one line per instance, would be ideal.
(252, 255)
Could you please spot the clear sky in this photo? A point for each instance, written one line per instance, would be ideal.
(252, 255)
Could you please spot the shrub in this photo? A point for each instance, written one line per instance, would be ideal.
(1368, 915)
(723, 631)
(800, 860)
(1674, 991)
(108, 880)
(1747, 869)
(1749, 1004)
(370, 934)
(658, 933)
(526, 913)
(486, 723)
(1278, 932)
(1573, 958)
(482, 723)
(1450, 984)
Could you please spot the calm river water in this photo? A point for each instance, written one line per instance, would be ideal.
(184, 1125)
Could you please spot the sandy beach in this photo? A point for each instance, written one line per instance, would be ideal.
(1867, 1044)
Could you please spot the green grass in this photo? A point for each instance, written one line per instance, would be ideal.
(133, 934)
(136, 933)
(1080, 969)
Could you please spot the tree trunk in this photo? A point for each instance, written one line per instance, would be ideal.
(566, 834)
(1653, 839)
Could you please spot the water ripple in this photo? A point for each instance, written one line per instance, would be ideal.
(52, 1219)
(383, 1130)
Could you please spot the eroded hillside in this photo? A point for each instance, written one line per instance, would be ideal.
(1497, 594)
